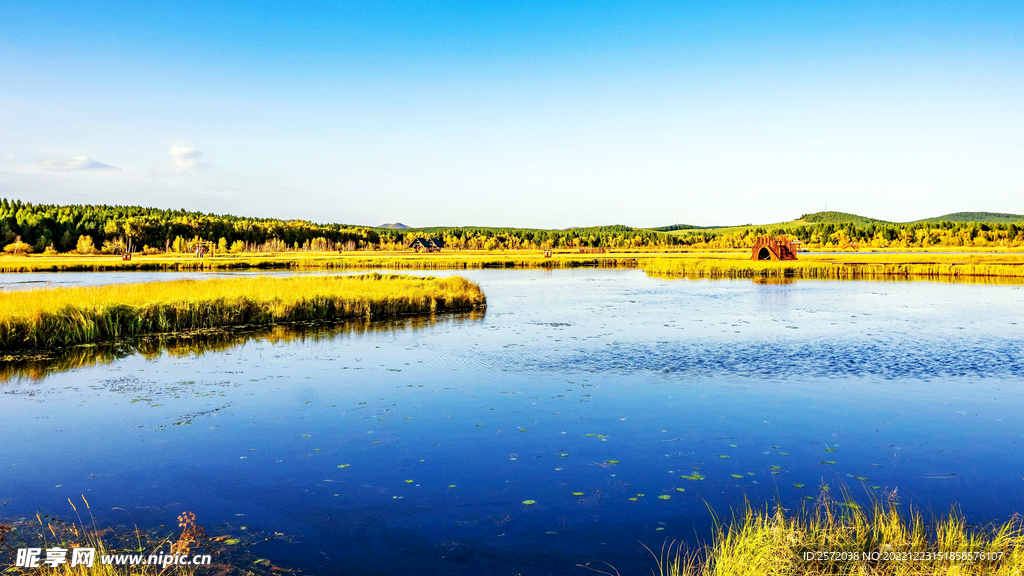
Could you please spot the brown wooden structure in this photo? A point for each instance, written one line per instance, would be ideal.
(426, 244)
(773, 248)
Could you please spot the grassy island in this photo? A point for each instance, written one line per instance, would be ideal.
(68, 316)
(854, 266)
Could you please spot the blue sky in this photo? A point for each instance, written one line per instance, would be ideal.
(520, 114)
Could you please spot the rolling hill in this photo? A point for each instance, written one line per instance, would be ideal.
(988, 217)
(843, 218)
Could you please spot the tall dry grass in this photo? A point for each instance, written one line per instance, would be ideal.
(67, 316)
(876, 268)
(876, 542)
(190, 542)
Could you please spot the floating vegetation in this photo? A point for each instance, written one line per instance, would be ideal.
(68, 316)
(695, 476)
(680, 489)
(723, 456)
(577, 493)
(798, 485)
(829, 462)
(737, 476)
(343, 465)
(529, 502)
(664, 497)
(611, 461)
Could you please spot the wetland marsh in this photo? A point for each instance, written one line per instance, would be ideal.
(585, 412)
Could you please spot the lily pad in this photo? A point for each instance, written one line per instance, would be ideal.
(408, 481)
(343, 465)
(680, 489)
(739, 476)
(529, 502)
(232, 541)
(723, 456)
(611, 461)
(798, 485)
(577, 493)
(664, 497)
(829, 462)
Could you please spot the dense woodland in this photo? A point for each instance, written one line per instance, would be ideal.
(26, 227)
(876, 235)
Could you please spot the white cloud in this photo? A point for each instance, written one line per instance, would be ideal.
(76, 163)
(185, 158)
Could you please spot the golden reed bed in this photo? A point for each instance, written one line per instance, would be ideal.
(842, 539)
(68, 316)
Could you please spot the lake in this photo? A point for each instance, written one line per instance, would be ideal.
(413, 444)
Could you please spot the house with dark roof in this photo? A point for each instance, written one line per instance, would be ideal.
(426, 244)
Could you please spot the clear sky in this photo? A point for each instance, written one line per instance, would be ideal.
(548, 114)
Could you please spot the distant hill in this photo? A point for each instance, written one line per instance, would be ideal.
(842, 218)
(674, 227)
(990, 217)
(837, 218)
(394, 226)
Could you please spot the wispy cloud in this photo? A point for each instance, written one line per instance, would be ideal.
(186, 158)
(76, 163)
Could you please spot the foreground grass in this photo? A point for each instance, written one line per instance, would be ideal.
(125, 552)
(877, 542)
(68, 316)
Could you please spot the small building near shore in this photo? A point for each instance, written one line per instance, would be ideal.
(773, 248)
(426, 244)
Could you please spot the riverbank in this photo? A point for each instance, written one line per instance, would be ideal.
(844, 267)
(734, 264)
(68, 316)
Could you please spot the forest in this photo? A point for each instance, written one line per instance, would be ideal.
(86, 229)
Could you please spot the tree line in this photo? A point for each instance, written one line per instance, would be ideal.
(874, 235)
(27, 227)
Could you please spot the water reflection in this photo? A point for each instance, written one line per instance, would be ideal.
(37, 365)
(993, 280)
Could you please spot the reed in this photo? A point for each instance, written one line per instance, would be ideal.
(878, 542)
(835, 269)
(68, 316)
(314, 261)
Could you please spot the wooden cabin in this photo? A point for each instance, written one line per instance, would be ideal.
(426, 244)
(773, 248)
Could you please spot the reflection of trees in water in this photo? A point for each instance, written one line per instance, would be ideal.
(38, 365)
(1000, 280)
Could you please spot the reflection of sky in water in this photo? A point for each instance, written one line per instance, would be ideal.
(912, 385)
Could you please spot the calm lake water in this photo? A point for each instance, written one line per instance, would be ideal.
(413, 445)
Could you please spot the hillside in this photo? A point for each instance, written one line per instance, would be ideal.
(836, 218)
(842, 218)
(989, 217)
(393, 226)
